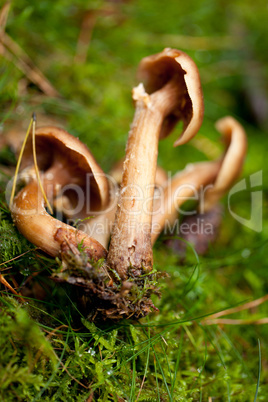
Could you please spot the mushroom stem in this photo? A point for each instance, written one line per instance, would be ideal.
(100, 226)
(131, 238)
(117, 172)
(47, 233)
(69, 174)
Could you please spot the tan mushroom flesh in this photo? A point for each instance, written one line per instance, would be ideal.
(235, 140)
(171, 92)
(217, 175)
(68, 171)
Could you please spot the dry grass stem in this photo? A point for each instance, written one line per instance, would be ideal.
(14, 53)
(15, 258)
(228, 321)
(83, 43)
(5, 283)
(3, 17)
(246, 306)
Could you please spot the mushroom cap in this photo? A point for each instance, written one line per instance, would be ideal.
(71, 163)
(235, 140)
(221, 173)
(236, 147)
(184, 184)
(157, 70)
(47, 233)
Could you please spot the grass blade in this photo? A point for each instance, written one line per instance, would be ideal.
(259, 372)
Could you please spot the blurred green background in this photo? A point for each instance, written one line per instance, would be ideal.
(75, 62)
(89, 51)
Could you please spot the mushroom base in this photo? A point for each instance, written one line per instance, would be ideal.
(102, 294)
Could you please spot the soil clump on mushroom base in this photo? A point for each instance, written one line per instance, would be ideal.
(102, 295)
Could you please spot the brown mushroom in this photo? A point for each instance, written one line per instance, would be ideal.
(235, 140)
(183, 186)
(14, 132)
(49, 234)
(101, 223)
(68, 168)
(172, 92)
(214, 178)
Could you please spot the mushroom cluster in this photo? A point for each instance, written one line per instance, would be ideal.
(118, 282)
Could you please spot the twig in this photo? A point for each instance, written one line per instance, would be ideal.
(91, 396)
(36, 166)
(3, 17)
(229, 321)
(213, 319)
(51, 333)
(245, 306)
(40, 351)
(18, 256)
(5, 269)
(19, 57)
(85, 35)
(3, 20)
(19, 162)
(70, 375)
(5, 283)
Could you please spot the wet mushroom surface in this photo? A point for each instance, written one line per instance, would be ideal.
(173, 94)
(65, 163)
(76, 185)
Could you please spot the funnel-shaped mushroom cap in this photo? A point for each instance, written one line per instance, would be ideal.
(47, 233)
(232, 162)
(236, 146)
(66, 161)
(157, 70)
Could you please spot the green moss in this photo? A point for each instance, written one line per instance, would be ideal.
(11, 243)
(26, 355)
